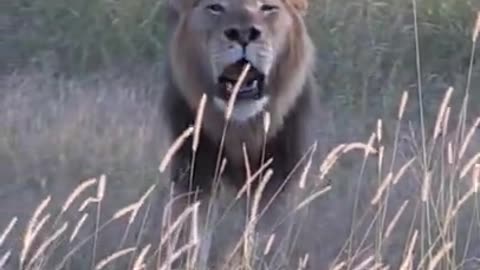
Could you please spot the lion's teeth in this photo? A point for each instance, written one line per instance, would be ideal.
(229, 87)
(251, 83)
(250, 86)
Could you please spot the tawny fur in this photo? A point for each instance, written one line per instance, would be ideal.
(293, 102)
(292, 107)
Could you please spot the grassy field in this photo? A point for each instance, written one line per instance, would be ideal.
(81, 139)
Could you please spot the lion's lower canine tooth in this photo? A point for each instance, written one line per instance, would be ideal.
(229, 87)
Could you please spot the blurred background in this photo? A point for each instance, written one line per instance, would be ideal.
(80, 82)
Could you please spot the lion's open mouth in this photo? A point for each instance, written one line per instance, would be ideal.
(251, 88)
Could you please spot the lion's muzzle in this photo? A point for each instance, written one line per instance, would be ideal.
(251, 88)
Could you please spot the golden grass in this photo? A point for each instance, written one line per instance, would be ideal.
(303, 177)
(236, 88)
(247, 244)
(385, 183)
(330, 160)
(408, 259)
(252, 178)
(33, 227)
(4, 258)
(445, 248)
(476, 29)
(140, 260)
(441, 113)
(76, 192)
(133, 208)
(303, 262)
(403, 104)
(7, 230)
(469, 165)
(433, 172)
(87, 202)
(78, 226)
(102, 183)
(198, 122)
(395, 219)
(104, 262)
(468, 138)
(436, 259)
(175, 147)
(43, 247)
(267, 118)
(268, 247)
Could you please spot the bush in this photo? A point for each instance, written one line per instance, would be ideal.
(94, 33)
(91, 33)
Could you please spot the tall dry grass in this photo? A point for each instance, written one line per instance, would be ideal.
(405, 198)
(401, 213)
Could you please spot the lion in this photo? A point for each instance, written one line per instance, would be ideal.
(209, 43)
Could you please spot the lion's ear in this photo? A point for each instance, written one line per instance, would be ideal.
(180, 5)
(300, 5)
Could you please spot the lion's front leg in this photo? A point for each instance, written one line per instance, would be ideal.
(206, 229)
(220, 227)
(190, 231)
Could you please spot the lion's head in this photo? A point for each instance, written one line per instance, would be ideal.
(212, 40)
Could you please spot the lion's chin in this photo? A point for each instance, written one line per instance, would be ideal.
(243, 110)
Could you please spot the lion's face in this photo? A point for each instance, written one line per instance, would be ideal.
(251, 32)
(228, 34)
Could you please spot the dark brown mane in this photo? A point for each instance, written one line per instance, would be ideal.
(285, 147)
(292, 106)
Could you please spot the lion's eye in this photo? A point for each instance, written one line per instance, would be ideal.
(216, 8)
(268, 8)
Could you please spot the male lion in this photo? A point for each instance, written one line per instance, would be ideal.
(209, 44)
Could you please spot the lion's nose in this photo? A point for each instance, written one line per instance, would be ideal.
(243, 36)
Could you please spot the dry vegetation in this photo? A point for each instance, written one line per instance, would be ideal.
(80, 185)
